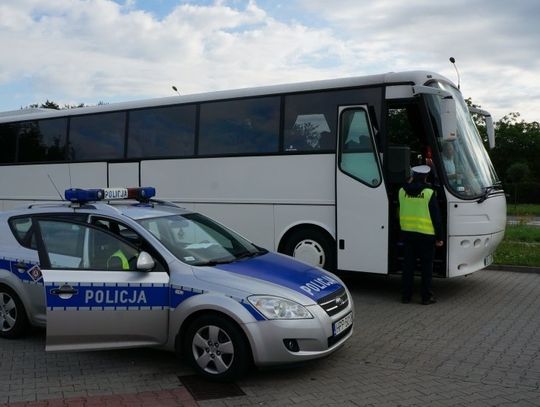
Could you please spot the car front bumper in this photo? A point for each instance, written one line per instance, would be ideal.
(314, 337)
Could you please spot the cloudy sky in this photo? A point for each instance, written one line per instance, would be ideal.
(73, 51)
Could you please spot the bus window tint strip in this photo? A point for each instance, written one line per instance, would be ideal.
(235, 127)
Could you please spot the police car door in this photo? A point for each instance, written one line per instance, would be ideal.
(361, 200)
(95, 296)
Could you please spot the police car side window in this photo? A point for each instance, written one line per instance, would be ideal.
(128, 234)
(71, 245)
(23, 231)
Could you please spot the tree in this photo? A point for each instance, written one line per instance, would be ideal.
(518, 172)
(50, 105)
(517, 142)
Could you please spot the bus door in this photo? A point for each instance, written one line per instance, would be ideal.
(123, 174)
(361, 199)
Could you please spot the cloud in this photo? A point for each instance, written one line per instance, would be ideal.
(495, 43)
(75, 51)
(98, 49)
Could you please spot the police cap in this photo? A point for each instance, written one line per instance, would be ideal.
(421, 170)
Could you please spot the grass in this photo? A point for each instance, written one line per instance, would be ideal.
(523, 210)
(520, 246)
(518, 254)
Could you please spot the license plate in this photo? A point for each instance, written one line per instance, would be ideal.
(341, 325)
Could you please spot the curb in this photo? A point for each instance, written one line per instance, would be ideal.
(516, 269)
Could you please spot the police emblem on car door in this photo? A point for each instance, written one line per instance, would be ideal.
(98, 293)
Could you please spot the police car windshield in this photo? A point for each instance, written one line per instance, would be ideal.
(199, 241)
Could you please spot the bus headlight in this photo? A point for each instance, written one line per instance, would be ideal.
(279, 308)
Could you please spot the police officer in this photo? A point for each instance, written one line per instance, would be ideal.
(420, 222)
(118, 261)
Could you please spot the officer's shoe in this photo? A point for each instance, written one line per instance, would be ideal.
(430, 300)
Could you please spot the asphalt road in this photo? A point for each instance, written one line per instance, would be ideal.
(478, 346)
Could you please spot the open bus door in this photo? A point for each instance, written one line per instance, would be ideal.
(361, 199)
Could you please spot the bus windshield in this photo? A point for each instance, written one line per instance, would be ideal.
(467, 166)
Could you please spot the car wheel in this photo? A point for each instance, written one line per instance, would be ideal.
(13, 320)
(217, 348)
(311, 246)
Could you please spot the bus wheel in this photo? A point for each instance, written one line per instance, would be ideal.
(216, 348)
(311, 246)
(13, 320)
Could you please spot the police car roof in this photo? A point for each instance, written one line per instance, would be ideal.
(144, 211)
(133, 210)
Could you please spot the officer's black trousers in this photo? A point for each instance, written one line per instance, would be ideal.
(417, 245)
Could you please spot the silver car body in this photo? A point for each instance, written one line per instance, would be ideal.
(103, 309)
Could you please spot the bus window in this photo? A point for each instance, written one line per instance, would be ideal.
(43, 140)
(357, 156)
(239, 126)
(311, 118)
(97, 136)
(162, 132)
(8, 140)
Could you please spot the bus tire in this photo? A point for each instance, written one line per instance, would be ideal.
(312, 246)
(13, 319)
(216, 348)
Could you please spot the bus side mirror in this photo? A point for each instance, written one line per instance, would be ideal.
(448, 119)
(145, 262)
(490, 128)
(490, 131)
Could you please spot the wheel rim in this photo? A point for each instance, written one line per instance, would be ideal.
(213, 349)
(311, 252)
(8, 312)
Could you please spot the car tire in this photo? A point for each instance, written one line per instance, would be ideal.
(311, 246)
(13, 319)
(216, 348)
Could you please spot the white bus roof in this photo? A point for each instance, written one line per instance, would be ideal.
(24, 111)
(415, 77)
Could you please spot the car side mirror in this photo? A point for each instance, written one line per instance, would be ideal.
(145, 262)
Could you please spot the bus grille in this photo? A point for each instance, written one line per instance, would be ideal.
(335, 302)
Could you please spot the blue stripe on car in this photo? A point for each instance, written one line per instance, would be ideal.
(286, 272)
(25, 273)
(101, 296)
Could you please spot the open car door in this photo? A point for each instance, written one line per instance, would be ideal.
(95, 296)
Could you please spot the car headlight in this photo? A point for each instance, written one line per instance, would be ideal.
(279, 308)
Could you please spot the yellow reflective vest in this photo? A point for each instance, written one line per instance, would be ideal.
(120, 255)
(414, 213)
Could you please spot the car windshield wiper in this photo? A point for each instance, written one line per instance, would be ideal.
(248, 254)
(211, 263)
(488, 190)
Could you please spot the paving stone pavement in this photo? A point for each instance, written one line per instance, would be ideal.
(478, 346)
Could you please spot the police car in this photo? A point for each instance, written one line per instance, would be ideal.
(103, 274)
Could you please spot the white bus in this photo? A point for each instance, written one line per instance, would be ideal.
(308, 169)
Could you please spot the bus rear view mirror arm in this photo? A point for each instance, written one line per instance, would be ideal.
(490, 128)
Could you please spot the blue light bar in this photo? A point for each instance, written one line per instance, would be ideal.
(83, 195)
(77, 195)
